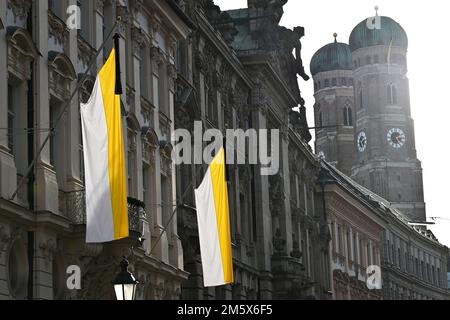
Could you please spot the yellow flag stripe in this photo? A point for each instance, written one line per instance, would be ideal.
(116, 153)
(220, 189)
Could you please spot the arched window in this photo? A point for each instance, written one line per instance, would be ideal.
(348, 115)
(392, 94)
(360, 96)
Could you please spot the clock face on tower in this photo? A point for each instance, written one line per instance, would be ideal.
(396, 138)
(362, 141)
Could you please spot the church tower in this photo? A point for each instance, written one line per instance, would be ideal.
(386, 158)
(331, 68)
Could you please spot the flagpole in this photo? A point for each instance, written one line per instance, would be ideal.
(66, 107)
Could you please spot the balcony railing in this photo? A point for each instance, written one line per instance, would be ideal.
(73, 207)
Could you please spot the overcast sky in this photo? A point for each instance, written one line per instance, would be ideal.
(427, 26)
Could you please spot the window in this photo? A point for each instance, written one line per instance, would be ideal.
(360, 96)
(333, 237)
(344, 82)
(319, 85)
(349, 247)
(56, 6)
(85, 10)
(131, 157)
(361, 253)
(146, 184)
(376, 59)
(162, 91)
(11, 116)
(166, 199)
(144, 73)
(339, 244)
(348, 115)
(327, 83)
(392, 94)
(368, 60)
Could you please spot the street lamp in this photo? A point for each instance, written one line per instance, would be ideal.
(125, 283)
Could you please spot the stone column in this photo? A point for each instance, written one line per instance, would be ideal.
(177, 248)
(47, 185)
(286, 216)
(8, 171)
(263, 218)
(162, 248)
(72, 119)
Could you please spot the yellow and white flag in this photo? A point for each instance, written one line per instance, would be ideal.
(104, 159)
(213, 216)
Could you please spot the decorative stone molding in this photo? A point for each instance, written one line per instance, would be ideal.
(172, 75)
(57, 29)
(7, 239)
(20, 8)
(140, 40)
(157, 57)
(61, 75)
(21, 52)
(85, 51)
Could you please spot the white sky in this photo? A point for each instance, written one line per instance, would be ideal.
(427, 26)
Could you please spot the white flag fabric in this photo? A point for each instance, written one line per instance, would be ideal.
(213, 218)
(104, 160)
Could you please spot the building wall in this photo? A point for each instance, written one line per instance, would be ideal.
(43, 228)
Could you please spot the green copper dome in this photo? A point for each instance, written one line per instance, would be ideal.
(334, 56)
(364, 36)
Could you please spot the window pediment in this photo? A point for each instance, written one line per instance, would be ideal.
(21, 52)
(61, 74)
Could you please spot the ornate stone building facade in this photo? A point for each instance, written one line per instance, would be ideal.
(247, 78)
(42, 229)
(181, 61)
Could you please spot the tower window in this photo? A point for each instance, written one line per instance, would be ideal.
(327, 83)
(344, 82)
(360, 96)
(392, 94)
(348, 115)
(334, 82)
